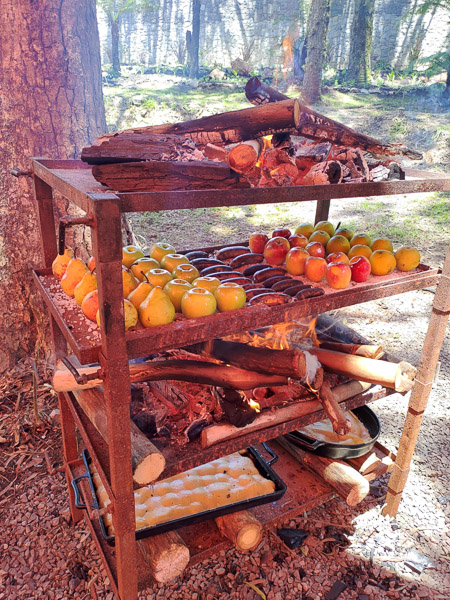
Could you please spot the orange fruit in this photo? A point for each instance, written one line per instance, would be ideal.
(382, 262)
(348, 233)
(359, 250)
(325, 226)
(360, 238)
(305, 229)
(408, 258)
(320, 236)
(382, 244)
(315, 268)
(338, 243)
(337, 257)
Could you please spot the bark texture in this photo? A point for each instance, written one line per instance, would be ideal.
(193, 41)
(361, 43)
(319, 16)
(53, 106)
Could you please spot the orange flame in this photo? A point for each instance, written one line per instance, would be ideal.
(255, 405)
(267, 145)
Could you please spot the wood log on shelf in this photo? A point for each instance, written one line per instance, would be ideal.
(313, 125)
(134, 146)
(323, 173)
(147, 461)
(227, 128)
(219, 433)
(374, 464)
(194, 371)
(242, 158)
(341, 425)
(242, 528)
(165, 554)
(398, 376)
(168, 176)
(367, 350)
(347, 481)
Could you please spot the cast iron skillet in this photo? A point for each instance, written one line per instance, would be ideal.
(332, 450)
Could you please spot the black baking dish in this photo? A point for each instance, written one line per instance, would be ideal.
(333, 450)
(263, 466)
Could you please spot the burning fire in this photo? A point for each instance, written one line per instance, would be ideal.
(267, 145)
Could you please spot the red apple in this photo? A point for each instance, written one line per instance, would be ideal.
(283, 232)
(276, 249)
(295, 261)
(315, 249)
(337, 257)
(360, 266)
(338, 275)
(297, 240)
(257, 241)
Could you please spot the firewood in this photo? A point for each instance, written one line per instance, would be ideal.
(367, 350)
(355, 157)
(147, 461)
(134, 146)
(323, 173)
(311, 124)
(216, 152)
(398, 376)
(194, 371)
(167, 176)
(242, 528)
(165, 554)
(347, 481)
(341, 425)
(242, 158)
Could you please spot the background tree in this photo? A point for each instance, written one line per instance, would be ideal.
(193, 39)
(316, 33)
(359, 66)
(50, 67)
(114, 10)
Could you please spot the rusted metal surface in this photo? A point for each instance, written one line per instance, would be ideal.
(86, 342)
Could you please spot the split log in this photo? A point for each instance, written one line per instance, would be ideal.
(242, 158)
(219, 433)
(165, 554)
(347, 481)
(355, 157)
(324, 173)
(398, 376)
(339, 421)
(195, 371)
(311, 124)
(216, 152)
(147, 461)
(375, 463)
(227, 128)
(289, 363)
(367, 350)
(134, 146)
(242, 528)
(168, 176)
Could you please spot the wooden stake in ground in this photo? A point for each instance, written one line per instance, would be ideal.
(348, 483)
(147, 461)
(421, 391)
(165, 554)
(242, 528)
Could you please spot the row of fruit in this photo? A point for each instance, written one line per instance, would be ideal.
(320, 252)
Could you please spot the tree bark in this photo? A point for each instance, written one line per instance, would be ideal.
(194, 41)
(361, 43)
(317, 28)
(115, 42)
(52, 106)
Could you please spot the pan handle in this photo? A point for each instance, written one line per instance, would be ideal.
(76, 490)
(297, 438)
(271, 453)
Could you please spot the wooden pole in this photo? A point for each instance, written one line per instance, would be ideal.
(421, 391)
(348, 483)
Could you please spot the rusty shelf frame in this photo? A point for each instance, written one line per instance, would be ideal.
(73, 179)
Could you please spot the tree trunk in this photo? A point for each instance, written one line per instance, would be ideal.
(361, 43)
(50, 67)
(194, 41)
(319, 16)
(115, 40)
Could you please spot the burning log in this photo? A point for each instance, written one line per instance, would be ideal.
(226, 128)
(167, 176)
(134, 146)
(398, 376)
(311, 124)
(147, 461)
(177, 369)
(341, 425)
(216, 153)
(242, 528)
(347, 481)
(166, 555)
(242, 158)
(324, 173)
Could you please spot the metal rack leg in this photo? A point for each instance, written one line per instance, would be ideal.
(421, 391)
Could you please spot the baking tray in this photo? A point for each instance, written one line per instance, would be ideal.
(264, 467)
(334, 450)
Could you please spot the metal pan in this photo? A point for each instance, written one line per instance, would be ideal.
(332, 450)
(264, 467)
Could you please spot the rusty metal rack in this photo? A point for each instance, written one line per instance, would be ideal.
(112, 348)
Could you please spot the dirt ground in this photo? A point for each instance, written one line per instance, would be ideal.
(43, 556)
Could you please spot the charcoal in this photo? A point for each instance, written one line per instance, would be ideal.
(337, 588)
(293, 538)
